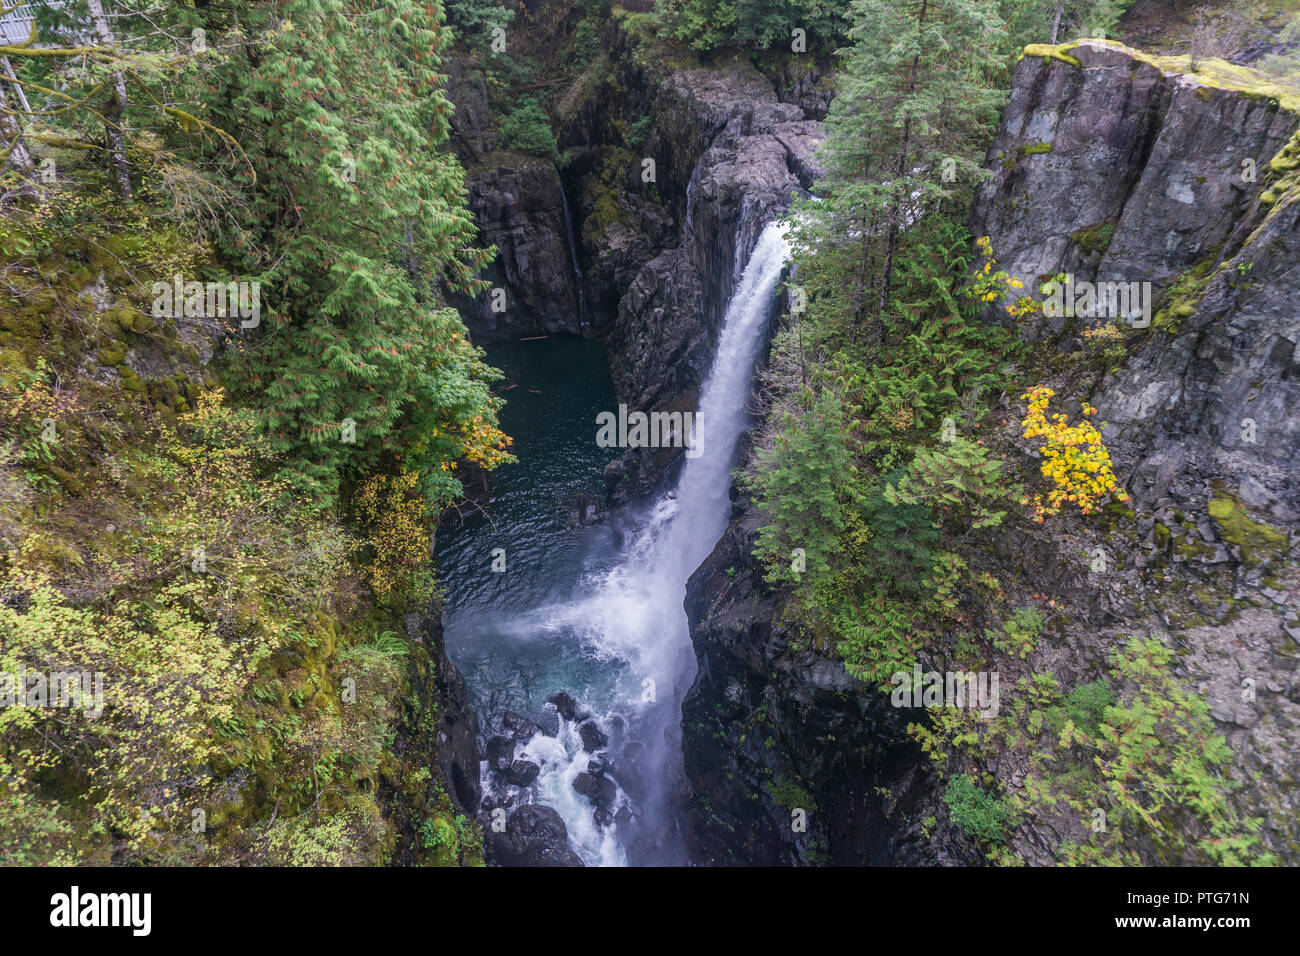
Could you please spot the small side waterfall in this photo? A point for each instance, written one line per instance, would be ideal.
(573, 251)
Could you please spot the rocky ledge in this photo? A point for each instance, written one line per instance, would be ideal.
(1111, 165)
(658, 249)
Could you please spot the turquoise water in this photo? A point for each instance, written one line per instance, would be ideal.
(559, 385)
(598, 612)
(511, 633)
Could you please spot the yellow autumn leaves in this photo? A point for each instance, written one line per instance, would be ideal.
(398, 530)
(1074, 458)
(989, 286)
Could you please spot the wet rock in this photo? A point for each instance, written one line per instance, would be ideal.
(518, 727)
(593, 738)
(599, 790)
(628, 770)
(520, 773)
(500, 751)
(533, 836)
(564, 705)
(597, 765)
(588, 510)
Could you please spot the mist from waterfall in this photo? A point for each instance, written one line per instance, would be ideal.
(616, 636)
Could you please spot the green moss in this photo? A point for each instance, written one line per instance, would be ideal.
(1035, 149)
(1210, 73)
(1256, 542)
(1049, 52)
(131, 382)
(1095, 239)
(789, 794)
(1162, 536)
(114, 353)
(1283, 174)
(1190, 545)
(1182, 298)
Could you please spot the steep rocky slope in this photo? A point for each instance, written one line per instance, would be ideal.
(664, 215)
(1110, 165)
(772, 727)
(1201, 416)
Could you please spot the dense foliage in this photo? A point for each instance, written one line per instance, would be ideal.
(890, 458)
(891, 350)
(769, 24)
(223, 513)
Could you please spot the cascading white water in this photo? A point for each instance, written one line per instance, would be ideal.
(632, 616)
(573, 251)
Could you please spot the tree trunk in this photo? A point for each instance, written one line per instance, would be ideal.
(18, 87)
(116, 106)
(895, 219)
(1056, 22)
(11, 129)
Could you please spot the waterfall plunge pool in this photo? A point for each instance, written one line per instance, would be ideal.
(596, 611)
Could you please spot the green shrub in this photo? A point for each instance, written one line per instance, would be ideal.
(527, 130)
(978, 814)
(474, 20)
(755, 24)
(1086, 707)
(1019, 635)
(959, 479)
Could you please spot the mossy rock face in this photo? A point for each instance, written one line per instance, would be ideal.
(1094, 239)
(1256, 542)
(1283, 174)
(112, 354)
(1049, 52)
(1162, 537)
(1184, 297)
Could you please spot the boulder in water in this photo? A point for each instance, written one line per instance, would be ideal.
(589, 510)
(565, 705)
(599, 790)
(593, 738)
(520, 773)
(534, 836)
(597, 765)
(518, 727)
(500, 751)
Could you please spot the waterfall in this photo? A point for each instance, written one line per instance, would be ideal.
(573, 251)
(631, 616)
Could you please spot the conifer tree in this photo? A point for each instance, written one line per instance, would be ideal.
(916, 100)
(357, 221)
